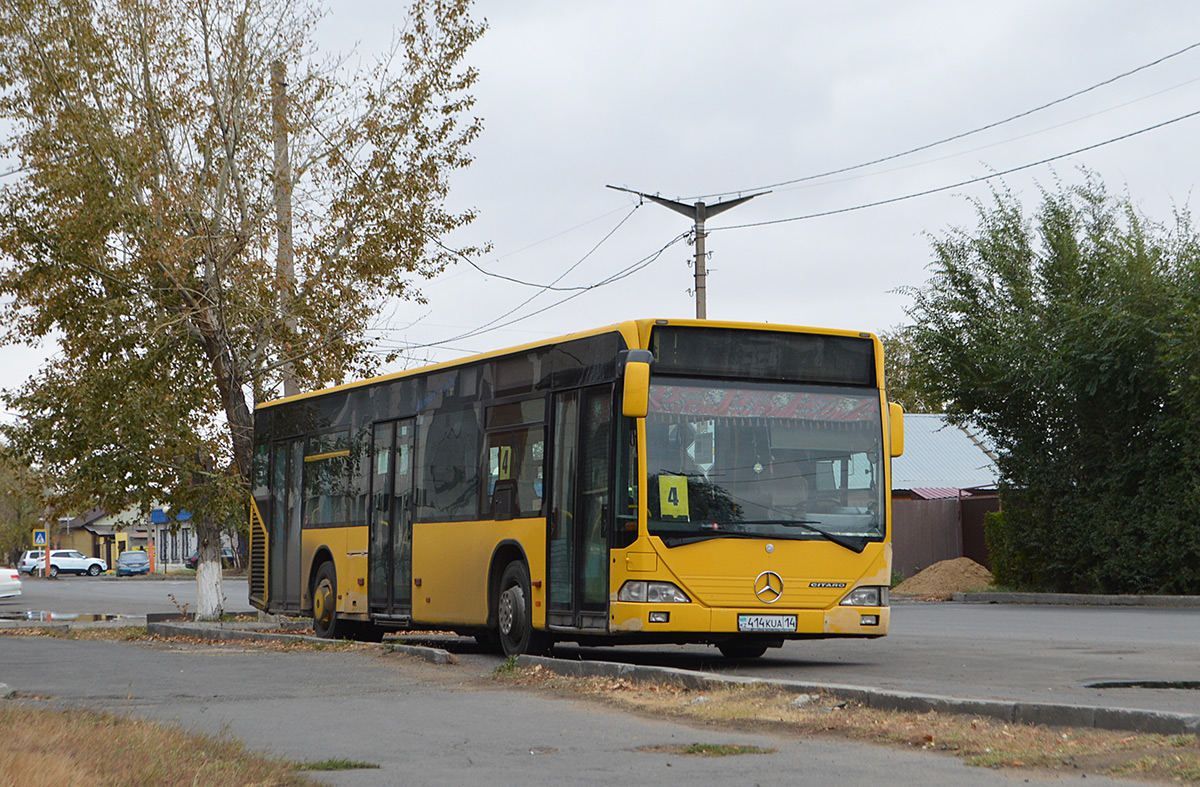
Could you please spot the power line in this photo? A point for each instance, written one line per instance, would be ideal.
(490, 326)
(542, 287)
(968, 182)
(559, 234)
(6, 173)
(955, 137)
(1007, 140)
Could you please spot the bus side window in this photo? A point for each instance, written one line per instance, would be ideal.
(514, 473)
(513, 459)
(449, 442)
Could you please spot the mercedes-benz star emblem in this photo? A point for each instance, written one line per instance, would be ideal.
(768, 586)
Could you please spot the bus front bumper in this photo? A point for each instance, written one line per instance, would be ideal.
(667, 619)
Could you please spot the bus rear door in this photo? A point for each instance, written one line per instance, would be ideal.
(389, 560)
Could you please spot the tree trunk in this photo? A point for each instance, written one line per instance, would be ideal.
(209, 597)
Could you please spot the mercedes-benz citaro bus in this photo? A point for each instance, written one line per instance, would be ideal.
(655, 481)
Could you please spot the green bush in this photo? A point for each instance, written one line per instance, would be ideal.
(1072, 340)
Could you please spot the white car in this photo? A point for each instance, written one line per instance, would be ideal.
(10, 582)
(29, 559)
(70, 561)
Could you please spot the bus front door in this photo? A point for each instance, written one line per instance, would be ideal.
(580, 511)
(389, 560)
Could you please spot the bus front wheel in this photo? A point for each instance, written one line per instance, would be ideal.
(514, 614)
(325, 617)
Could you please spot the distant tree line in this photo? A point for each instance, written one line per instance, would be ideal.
(20, 508)
(1071, 338)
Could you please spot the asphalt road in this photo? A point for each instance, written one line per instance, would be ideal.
(436, 725)
(107, 595)
(1008, 652)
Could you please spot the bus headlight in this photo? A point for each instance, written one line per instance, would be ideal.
(652, 593)
(866, 596)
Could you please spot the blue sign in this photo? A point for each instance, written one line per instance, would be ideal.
(39, 538)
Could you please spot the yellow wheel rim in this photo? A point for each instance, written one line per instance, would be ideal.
(322, 603)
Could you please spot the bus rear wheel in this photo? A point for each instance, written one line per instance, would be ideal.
(325, 617)
(514, 614)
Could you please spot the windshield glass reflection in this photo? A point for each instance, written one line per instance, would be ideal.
(761, 460)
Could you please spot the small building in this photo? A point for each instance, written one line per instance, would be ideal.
(87, 534)
(172, 536)
(942, 486)
(100, 534)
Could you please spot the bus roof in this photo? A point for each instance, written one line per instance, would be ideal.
(635, 332)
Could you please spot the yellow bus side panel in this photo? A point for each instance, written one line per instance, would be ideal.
(451, 561)
(353, 590)
(348, 546)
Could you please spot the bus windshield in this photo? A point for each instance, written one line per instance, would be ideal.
(763, 460)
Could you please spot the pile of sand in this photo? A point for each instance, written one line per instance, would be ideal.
(941, 580)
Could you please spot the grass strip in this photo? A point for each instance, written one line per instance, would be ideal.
(78, 746)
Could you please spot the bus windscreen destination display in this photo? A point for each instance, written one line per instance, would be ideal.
(763, 355)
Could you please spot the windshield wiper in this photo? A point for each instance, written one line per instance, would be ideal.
(704, 534)
(854, 543)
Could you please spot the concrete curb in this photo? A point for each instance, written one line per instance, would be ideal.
(1051, 715)
(1077, 599)
(247, 631)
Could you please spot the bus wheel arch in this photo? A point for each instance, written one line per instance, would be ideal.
(514, 614)
(326, 622)
(506, 552)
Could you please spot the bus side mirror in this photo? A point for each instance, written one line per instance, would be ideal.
(896, 428)
(636, 402)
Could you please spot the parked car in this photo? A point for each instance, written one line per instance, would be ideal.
(10, 582)
(70, 561)
(133, 562)
(194, 558)
(29, 559)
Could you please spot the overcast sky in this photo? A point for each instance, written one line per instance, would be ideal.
(713, 99)
(688, 99)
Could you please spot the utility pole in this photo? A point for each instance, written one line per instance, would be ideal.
(285, 268)
(699, 213)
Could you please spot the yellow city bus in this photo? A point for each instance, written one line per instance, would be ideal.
(655, 481)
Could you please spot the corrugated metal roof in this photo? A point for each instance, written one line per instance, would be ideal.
(939, 454)
(935, 492)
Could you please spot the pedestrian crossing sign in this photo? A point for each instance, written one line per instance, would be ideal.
(39, 538)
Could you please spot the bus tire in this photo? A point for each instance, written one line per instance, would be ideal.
(514, 614)
(742, 648)
(325, 616)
